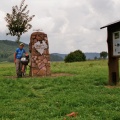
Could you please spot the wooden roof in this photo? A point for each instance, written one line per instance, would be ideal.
(110, 24)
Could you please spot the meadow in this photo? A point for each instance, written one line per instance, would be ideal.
(83, 88)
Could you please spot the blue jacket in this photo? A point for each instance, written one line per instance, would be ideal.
(19, 53)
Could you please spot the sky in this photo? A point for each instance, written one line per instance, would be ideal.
(69, 24)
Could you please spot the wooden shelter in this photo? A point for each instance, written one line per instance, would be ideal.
(113, 41)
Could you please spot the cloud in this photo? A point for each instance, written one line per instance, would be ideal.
(2, 22)
(70, 24)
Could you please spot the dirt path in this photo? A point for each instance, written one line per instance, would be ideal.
(52, 75)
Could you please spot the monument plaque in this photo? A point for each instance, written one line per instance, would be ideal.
(40, 58)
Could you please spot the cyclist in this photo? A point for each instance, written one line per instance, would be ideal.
(17, 59)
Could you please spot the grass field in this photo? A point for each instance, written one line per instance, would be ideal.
(84, 89)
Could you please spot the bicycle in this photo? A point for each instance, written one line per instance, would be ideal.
(24, 62)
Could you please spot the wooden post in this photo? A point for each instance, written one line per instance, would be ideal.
(113, 41)
(113, 62)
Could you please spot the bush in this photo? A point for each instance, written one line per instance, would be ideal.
(75, 56)
(103, 54)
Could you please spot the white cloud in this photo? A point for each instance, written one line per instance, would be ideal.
(70, 24)
(2, 22)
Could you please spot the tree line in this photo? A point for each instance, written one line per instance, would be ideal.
(78, 56)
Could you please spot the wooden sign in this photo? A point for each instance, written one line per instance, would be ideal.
(113, 41)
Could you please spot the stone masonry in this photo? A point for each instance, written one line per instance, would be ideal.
(40, 58)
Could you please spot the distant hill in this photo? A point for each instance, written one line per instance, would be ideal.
(55, 57)
(9, 46)
(89, 56)
(7, 49)
(61, 55)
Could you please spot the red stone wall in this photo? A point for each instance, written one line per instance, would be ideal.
(40, 61)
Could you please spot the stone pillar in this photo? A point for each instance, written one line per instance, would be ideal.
(40, 58)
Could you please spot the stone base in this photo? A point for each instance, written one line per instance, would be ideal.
(40, 58)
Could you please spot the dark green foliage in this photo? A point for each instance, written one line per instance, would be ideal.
(95, 58)
(103, 54)
(75, 56)
(18, 21)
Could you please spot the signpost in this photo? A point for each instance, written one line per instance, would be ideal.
(113, 41)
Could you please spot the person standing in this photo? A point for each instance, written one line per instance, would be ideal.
(17, 59)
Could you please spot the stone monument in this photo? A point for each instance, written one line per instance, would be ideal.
(40, 58)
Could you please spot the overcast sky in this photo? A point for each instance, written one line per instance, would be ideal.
(69, 24)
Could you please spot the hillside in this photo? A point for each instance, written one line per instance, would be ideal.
(7, 49)
(54, 57)
(61, 55)
(89, 56)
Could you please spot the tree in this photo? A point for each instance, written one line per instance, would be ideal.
(75, 56)
(103, 54)
(95, 58)
(18, 21)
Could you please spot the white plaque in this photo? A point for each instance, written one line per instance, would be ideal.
(116, 43)
(40, 46)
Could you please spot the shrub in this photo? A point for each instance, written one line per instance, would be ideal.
(75, 56)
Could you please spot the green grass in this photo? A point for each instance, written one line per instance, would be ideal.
(51, 98)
